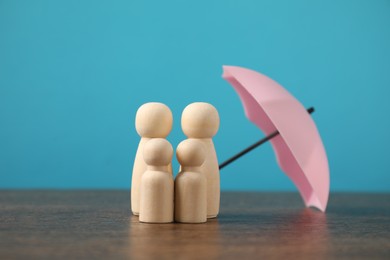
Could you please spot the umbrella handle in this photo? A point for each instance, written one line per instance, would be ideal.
(253, 146)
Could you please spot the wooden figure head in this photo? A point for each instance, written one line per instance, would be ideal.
(157, 152)
(190, 153)
(200, 120)
(153, 120)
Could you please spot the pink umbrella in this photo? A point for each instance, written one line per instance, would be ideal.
(295, 138)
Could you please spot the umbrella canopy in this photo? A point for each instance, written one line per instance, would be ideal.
(298, 147)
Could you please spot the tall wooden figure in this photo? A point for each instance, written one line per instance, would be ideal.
(153, 120)
(190, 183)
(156, 200)
(201, 121)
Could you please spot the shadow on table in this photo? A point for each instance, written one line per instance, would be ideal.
(301, 233)
(174, 240)
(280, 234)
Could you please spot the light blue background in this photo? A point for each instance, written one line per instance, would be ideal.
(73, 73)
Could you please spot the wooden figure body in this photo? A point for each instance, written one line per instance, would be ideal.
(153, 120)
(200, 121)
(190, 183)
(156, 193)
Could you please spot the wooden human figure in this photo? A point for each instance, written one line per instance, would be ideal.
(156, 193)
(190, 183)
(153, 120)
(200, 121)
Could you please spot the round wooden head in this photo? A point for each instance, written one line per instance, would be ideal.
(200, 120)
(153, 120)
(190, 153)
(157, 152)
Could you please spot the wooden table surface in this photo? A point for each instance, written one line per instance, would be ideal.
(98, 224)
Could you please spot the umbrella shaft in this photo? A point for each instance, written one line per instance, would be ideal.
(248, 149)
(253, 146)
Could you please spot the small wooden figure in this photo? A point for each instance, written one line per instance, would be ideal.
(201, 121)
(190, 183)
(156, 191)
(153, 120)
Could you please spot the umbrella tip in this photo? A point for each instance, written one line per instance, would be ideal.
(226, 67)
(310, 110)
(225, 73)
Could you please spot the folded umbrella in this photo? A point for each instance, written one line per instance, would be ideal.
(294, 136)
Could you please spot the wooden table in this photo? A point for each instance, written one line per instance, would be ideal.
(98, 224)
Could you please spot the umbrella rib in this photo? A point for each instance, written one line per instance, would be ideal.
(253, 146)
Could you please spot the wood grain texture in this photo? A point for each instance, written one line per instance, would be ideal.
(99, 224)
